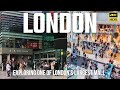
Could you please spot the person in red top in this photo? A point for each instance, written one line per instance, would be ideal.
(111, 61)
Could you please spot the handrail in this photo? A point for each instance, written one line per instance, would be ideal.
(18, 34)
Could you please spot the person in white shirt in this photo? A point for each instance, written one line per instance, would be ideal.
(77, 68)
(8, 69)
(52, 65)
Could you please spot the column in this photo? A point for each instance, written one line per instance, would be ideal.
(47, 57)
(76, 40)
(80, 40)
(8, 57)
(14, 43)
(71, 12)
(0, 59)
(33, 56)
(40, 56)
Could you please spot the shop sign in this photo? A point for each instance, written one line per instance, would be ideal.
(35, 45)
(16, 51)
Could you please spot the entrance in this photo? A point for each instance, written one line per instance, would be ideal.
(25, 58)
(4, 59)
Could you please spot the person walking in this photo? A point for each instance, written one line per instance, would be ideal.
(65, 67)
(8, 68)
(96, 56)
(32, 65)
(52, 65)
(111, 55)
(24, 64)
(21, 66)
(16, 65)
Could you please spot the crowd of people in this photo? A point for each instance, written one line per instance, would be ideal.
(113, 71)
(102, 51)
(93, 65)
(106, 28)
(21, 65)
(90, 45)
(100, 48)
(14, 65)
(47, 65)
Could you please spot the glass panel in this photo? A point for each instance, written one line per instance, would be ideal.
(36, 56)
(18, 43)
(7, 42)
(11, 43)
(43, 55)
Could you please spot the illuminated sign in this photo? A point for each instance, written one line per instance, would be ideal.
(61, 53)
(35, 45)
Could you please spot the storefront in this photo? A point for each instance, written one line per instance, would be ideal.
(108, 30)
(46, 55)
(18, 55)
(103, 37)
(107, 26)
(57, 55)
(15, 40)
(18, 46)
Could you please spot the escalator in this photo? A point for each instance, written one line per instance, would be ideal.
(72, 67)
(109, 71)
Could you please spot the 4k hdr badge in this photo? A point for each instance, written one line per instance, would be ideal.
(113, 17)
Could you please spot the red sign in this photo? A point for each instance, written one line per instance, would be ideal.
(33, 45)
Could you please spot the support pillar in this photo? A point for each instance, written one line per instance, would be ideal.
(0, 59)
(47, 57)
(8, 57)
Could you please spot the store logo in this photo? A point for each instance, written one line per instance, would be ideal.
(113, 17)
(113, 14)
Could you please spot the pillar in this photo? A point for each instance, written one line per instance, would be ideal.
(8, 57)
(76, 40)
(0, 59)
(47, 57)
(71, 12)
